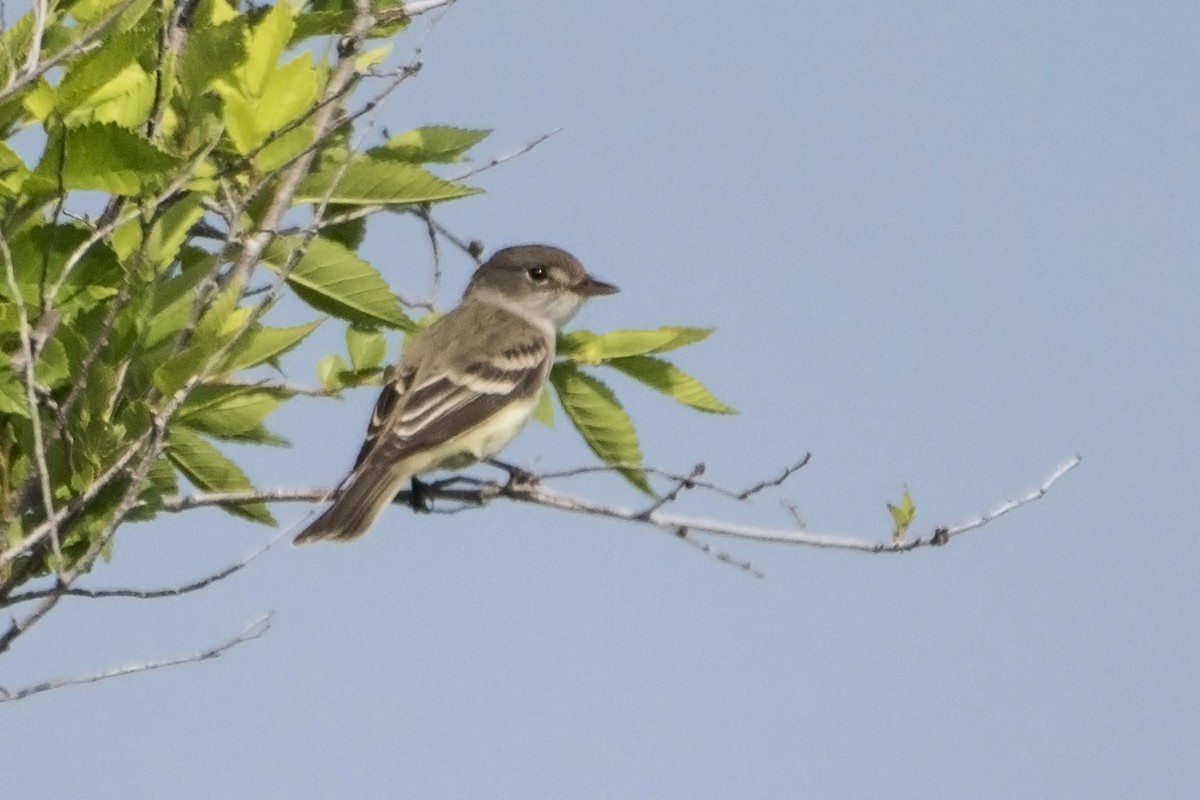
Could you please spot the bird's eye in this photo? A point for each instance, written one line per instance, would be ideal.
(538, 274)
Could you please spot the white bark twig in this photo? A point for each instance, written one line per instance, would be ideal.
(418, 7)
(256, 628)
(475, 492)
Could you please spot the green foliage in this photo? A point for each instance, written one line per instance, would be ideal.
(174, 196)
(599, 417)
(902, 516)
(331, 278)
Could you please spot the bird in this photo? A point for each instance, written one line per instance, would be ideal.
(465, 386)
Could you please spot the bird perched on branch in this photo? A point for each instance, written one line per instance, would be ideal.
(466, 385)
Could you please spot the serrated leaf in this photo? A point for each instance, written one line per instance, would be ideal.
(13, 171)
(264, 345)
(160, 482)
(586, 347)
(429, 144)
(671, 381)
(90, 79)
(267, 42)
(212, 51)
(39, 254)
(598, 416)
(12, 391)
(333, 279)
(902, 515)
(105, 157)
(53, 368)
(367, 181)
(251, 116)
(229, 411)
(210, 471)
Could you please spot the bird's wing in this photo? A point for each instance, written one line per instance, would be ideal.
(425, 405)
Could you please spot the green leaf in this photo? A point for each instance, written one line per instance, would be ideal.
(544, 412)
(330, 369)
(39, 254)
(251, 117)
(175, 297)
(267, 42)
(595, 412)
(171, 230)
(229, 411)
(902, 515)
(264, 345)
(434, 143)
(12, 391)
(89, 80)
(212, 52)
(670, 380)
(210, 471)
(53, 369)
(367, 348)
(160, 482)
(368, 181)
(334, 280)
(350, 233)
(105, 157)
(13, 171)
(585, 347)
(369, 58)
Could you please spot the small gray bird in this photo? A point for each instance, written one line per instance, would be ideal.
(466, 385)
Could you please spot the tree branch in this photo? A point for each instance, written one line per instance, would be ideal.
(256, 628)
(474, 492)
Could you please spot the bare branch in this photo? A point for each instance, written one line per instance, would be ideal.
(145, 594)
(720, 555)
(498, 160)
(474, 492)
(687, 482)
(1011, 505)
(256, 628)
(787, 473)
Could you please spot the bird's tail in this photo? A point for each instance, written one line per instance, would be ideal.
(357, 506)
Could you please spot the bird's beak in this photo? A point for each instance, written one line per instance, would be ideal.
(590, 287)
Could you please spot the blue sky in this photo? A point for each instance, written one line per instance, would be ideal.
(945, 245)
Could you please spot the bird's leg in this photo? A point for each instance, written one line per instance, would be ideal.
(418, 496)
(517, 476)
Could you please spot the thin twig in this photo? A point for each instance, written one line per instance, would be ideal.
(687, 482)
(256, 628)
(787, 473)
(148, 594)
(720, 555)
(496, 161)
